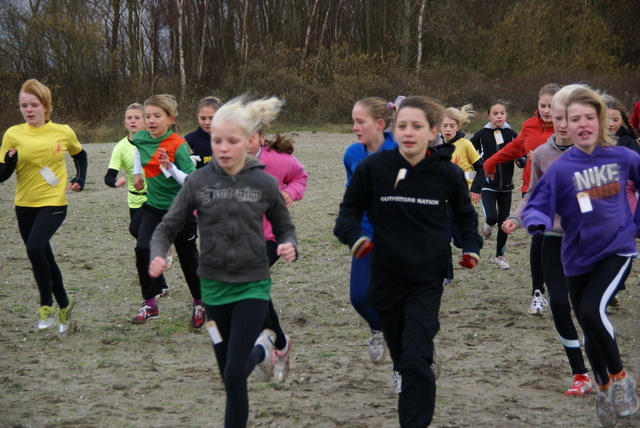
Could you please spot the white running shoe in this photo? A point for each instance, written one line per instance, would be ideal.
(437, 363)
(538, 302)
(169, 258)
(377, 350)
(502, 263)
(264, 369)
(397, 382)
(486, 231)
(281, 367)
(604, 407)
(624, 398)
(164, 292)
(46, 318)
(64, 317)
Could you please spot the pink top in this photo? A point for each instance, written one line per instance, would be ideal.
(291, 176)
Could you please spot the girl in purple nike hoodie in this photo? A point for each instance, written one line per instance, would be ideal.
(586, 188)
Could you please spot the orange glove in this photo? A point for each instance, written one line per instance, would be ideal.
(362, 247)
(469, 260)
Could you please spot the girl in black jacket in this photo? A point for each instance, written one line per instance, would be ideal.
(496, 192)
(405, 192)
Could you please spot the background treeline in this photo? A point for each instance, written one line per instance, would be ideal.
(320, 55)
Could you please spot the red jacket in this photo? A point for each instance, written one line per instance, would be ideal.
(635, 116)
(534, 133)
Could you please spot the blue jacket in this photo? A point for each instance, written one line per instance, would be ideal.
(354, 154)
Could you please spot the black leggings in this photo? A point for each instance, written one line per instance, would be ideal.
(535, 262)
(496, 207)
(410, 324)
(186, 248)
(135, 216)
(239, 324)
(37, 226)
(589, 295)
(559, 302)
(272, 321)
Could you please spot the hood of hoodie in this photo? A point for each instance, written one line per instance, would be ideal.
(552, 142)
(504, 126)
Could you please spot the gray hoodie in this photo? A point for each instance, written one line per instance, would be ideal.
(230, 210)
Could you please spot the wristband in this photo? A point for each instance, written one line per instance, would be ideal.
(362, 247)
(469, 260)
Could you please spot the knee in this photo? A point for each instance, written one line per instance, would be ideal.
(417, 368)
(142, 250)
(560, 307)
(491, 219)
(233, 376)
(589, 315)
(35, 252)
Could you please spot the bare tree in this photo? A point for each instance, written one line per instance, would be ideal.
(420, 23)
(183, 74)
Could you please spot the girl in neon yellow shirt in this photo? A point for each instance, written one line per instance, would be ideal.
(35, 150)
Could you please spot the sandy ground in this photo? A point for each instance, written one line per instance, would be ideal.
(501, 367)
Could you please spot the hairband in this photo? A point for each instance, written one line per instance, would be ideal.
(391, 105)
(211, 100)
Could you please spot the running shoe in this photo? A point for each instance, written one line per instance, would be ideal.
(46, 318)
(502, 263)
(281, 368)
(264, 369)
(615, 300)
(397, 382)
(486, 231)
(169, 258)
(377, 350)
(145, 313)
(604, 407)
(164, 292)
(538, 302)
(64, 317)
(581, 385)
(624, 398)
(197, 318)
(437, 363)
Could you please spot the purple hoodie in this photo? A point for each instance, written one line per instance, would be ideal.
(602, 224)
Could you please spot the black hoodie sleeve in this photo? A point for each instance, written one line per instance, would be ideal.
(348, 224)
(81, 163)
(111, 177)
(465, 217)
(478, 181)
(9, 165)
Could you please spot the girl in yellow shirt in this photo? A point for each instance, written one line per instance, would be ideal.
(35, 151)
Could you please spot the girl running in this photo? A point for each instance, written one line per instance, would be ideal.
(166, 162)
(405, 192)
(371, 116)
(552, 271)
(35, 151)
(585, 187)
(496, 192)
(465, 156)
(200, 139)
(231, 195)
(277, 156)
(535, 132)
(122, 157)
(619, 127)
